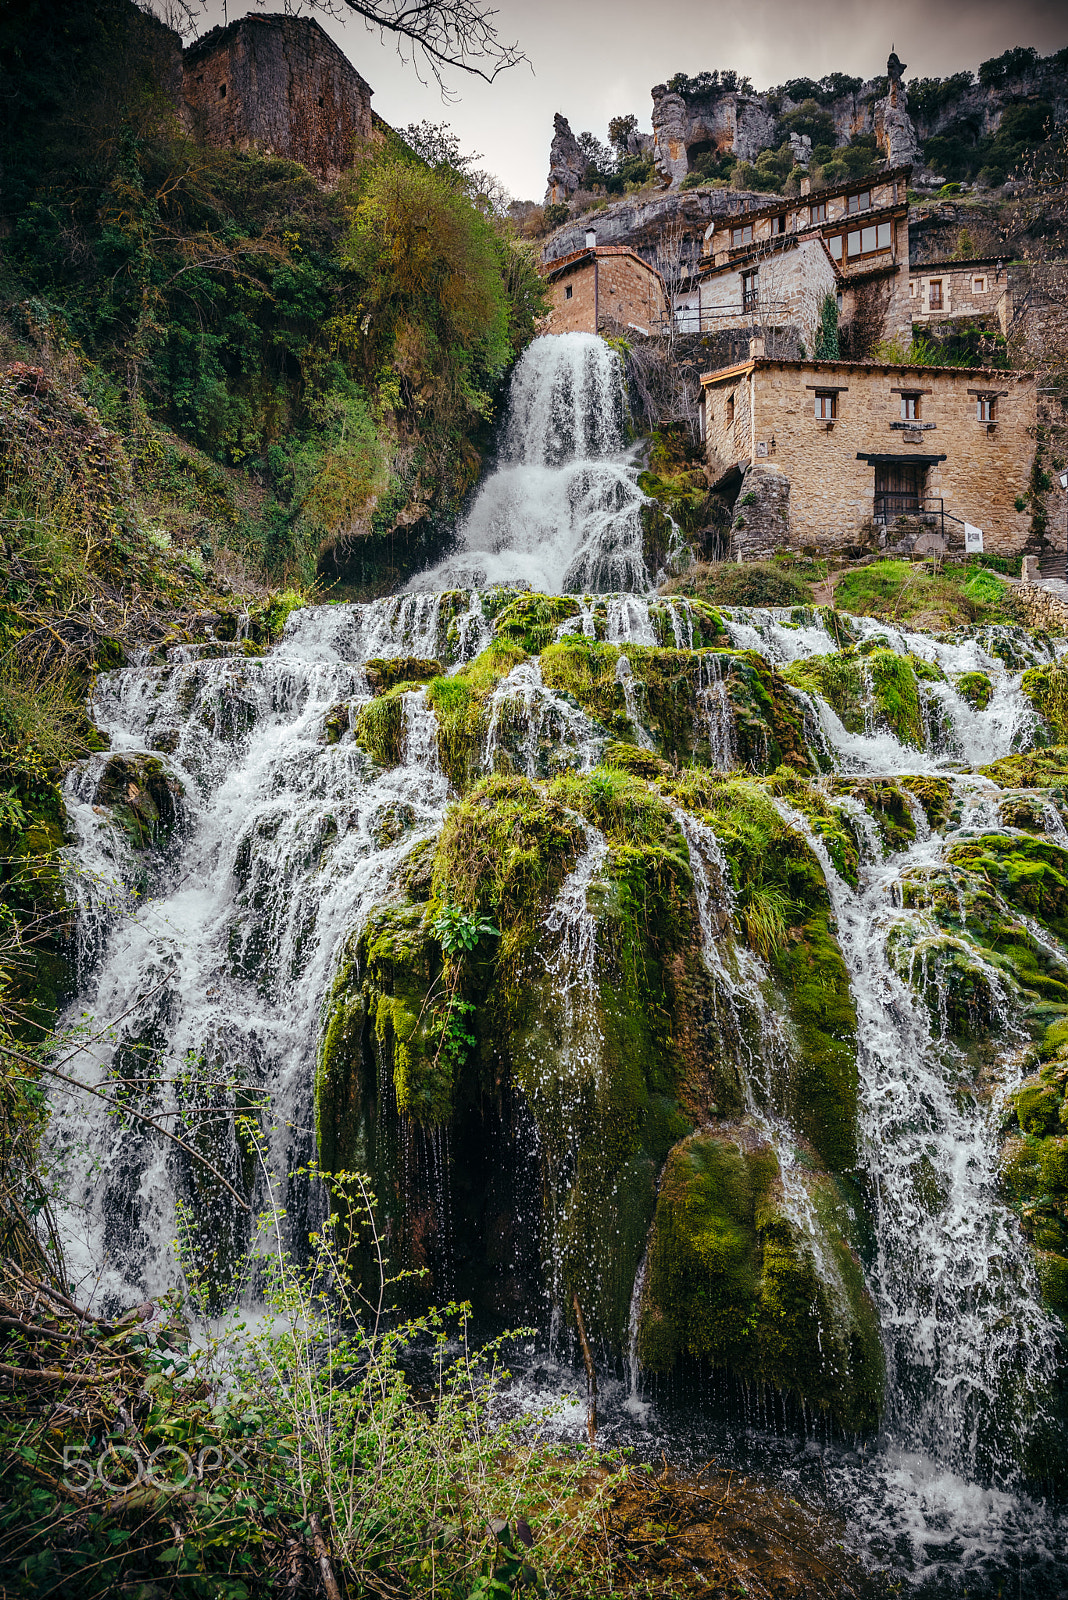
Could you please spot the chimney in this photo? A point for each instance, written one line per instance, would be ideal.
(756, 349)
(806, 184)
(591, 238)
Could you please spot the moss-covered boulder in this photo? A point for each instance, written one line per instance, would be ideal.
(1035, 1168)
(867, 683)
(1047, 689)
(385, 673)
(143, 797)
(737, 1280)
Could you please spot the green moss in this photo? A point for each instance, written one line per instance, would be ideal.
(1029, 873)
(886, 803)
(460, 702)
(976, 688)
(531, 621)
(1031, 769)
(503, 852)
(585, 670)
(872, 676)
(379, 728)
(934, 794)
(768, 858)
(385, 673)
(1047, 690)
(731, 1281)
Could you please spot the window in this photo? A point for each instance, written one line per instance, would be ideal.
(222, 91)
(740, 236)
(910, 408)
(818, 212)
(859, 202)
(860, 241)
(568, 292)
(730, 409)
(978, 286)
(986, 406)
(912, 288)
(934, 294)
(826, 405)
(778, 225)
(750, 289)
(839, 301)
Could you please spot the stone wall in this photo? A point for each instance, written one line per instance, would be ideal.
(832, 484)
(1038, 608)
(281, 85)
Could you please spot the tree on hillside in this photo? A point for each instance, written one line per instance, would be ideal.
(442, 35)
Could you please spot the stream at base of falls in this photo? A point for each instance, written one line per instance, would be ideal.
(262, 945)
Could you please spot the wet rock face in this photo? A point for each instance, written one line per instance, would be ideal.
(143, 797)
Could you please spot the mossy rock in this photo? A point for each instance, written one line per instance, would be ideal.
(732, 1281)
(701, 623)
(1023, 811)
(976, 688)
(775, 871)
(378, 727)
(934, 794)
(886, 803)
(1047, 690)
(385, 673)
(1029, 873)
(460, 702)
(530, 622)
(142, 796)
(1031, 769)
(957, 985)
(872, 674)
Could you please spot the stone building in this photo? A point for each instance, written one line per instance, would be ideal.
(604, 287)
(771, 266)
(281, 85)
(943, 291)
(827, 455)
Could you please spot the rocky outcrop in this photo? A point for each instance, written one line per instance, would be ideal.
(640, 222)
(685, 127)
(892, 124)
(567, 164)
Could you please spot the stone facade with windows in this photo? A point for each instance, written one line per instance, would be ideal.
(844, 240)
(853, 447)
(940, 291)
(605, 287)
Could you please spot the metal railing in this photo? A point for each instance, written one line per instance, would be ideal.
(892, 504)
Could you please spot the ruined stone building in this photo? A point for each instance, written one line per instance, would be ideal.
(771, 267)
(280, 85)
(604, 289)
(820, 455)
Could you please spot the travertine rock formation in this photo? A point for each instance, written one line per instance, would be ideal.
(892, 124)
(567, 163)
(279, 84)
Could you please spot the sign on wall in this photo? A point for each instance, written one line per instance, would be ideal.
(973, 538)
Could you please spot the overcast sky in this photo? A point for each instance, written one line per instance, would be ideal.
(597, 60)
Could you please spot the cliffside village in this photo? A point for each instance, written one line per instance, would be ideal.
(815, 449)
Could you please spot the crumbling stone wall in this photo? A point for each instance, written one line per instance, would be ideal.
(761, 519)
(281, 85)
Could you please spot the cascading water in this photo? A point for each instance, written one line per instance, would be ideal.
(219, 946)
(563, 509)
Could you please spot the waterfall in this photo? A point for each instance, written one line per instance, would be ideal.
(562, 511)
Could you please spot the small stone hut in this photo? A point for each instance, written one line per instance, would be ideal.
(603, 287)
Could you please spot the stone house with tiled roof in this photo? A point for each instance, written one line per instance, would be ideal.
(826, 455)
